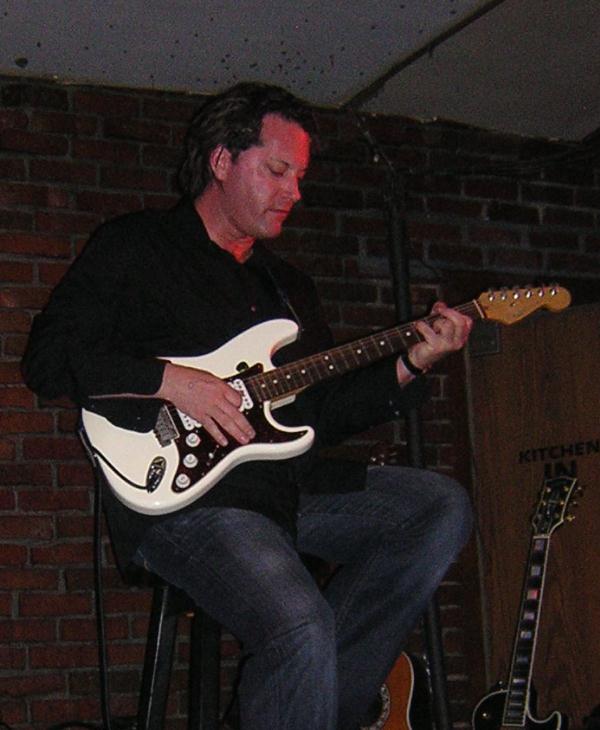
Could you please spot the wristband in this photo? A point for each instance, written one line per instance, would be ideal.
(411, 367)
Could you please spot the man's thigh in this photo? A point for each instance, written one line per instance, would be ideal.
(399, 500)
(237, 565)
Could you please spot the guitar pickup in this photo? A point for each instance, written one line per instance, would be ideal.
(238, 384)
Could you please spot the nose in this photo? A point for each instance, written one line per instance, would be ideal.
(293, 188)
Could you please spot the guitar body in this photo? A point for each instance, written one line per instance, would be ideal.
(144, 474)
(167, 468)
(404, 698)
(488, 714)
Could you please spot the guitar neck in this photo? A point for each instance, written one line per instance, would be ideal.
(519, 681)
(295, 376)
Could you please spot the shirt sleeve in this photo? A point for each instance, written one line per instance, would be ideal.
(75, 347)
(360, 400)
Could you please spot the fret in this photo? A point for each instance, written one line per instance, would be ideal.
(341, 359)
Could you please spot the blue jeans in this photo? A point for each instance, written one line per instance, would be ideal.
(314, 660)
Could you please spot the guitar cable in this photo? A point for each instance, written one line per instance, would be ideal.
(99, 602)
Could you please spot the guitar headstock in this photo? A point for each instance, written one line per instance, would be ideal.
(511, 305)
(555, 498)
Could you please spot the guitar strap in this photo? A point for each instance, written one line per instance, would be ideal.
(266, 274)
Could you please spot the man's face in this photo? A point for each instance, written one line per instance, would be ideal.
(261, 186)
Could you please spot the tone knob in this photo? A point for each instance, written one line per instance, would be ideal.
(192, 439)
(182, 481)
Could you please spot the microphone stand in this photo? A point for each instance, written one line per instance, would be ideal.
(400, 270)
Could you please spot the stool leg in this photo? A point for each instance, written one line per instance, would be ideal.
(158, 660)
(204, 682)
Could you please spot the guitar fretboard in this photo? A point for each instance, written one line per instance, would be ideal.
(324, 365)
(519, 682)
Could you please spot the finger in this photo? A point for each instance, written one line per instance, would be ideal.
(235, 424)
(209, 425)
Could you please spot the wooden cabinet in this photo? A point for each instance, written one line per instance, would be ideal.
(534, 402)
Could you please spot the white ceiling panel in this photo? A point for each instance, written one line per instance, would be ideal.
(525, 66)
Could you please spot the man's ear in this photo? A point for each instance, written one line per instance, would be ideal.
(220, 162)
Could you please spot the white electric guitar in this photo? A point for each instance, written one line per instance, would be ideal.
(167, 468)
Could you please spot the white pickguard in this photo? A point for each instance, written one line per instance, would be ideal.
(125, 456)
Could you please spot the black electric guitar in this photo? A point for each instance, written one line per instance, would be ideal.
(168, 467)
(514, 705)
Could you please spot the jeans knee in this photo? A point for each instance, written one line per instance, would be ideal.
(306, 641)
(453, 512)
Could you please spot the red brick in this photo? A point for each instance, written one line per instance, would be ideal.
(13, 554)
(85, 629)
(12, 169)
(13, 119)
(12, 194)
(7, 452)
(35, 243)
(13, 321)
(16, 220)
(512, 213)
(109, 204)
(367, 225)
(31, 579)
(36, 95)
(552, 239)
(456, 255)
(54, 500)
(19, 630)
(31, 685)
(573, 263)
(168, 157)
(105, 102)
(17, 474)
(26, 528)
(16, 397)
(58, 449)
(45, 712)
(105, 151)
(78, 173)
(33, 142)
(133, 179)
(26, 422)
(12, 657)
(422, 231)
(14, 345)
(76, 475)
(567, 217)
(172, 108)
(492, 188)
(455, 207)
(135, 129)
(54, 604)
(63, 123)
(74, 526)
(23, 298)
(500, 236)
(63, 554)
(51, 274)
(535, 192)
(16, 271)
(515, 258)
(62, 656)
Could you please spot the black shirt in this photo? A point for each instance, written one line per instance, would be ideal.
(152, 284)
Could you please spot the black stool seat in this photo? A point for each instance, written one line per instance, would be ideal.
(168, 604)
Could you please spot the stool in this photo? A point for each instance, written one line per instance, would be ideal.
(168, 604)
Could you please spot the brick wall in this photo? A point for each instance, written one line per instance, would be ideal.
(482, 209)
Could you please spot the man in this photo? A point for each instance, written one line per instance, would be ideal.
(184, 282)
